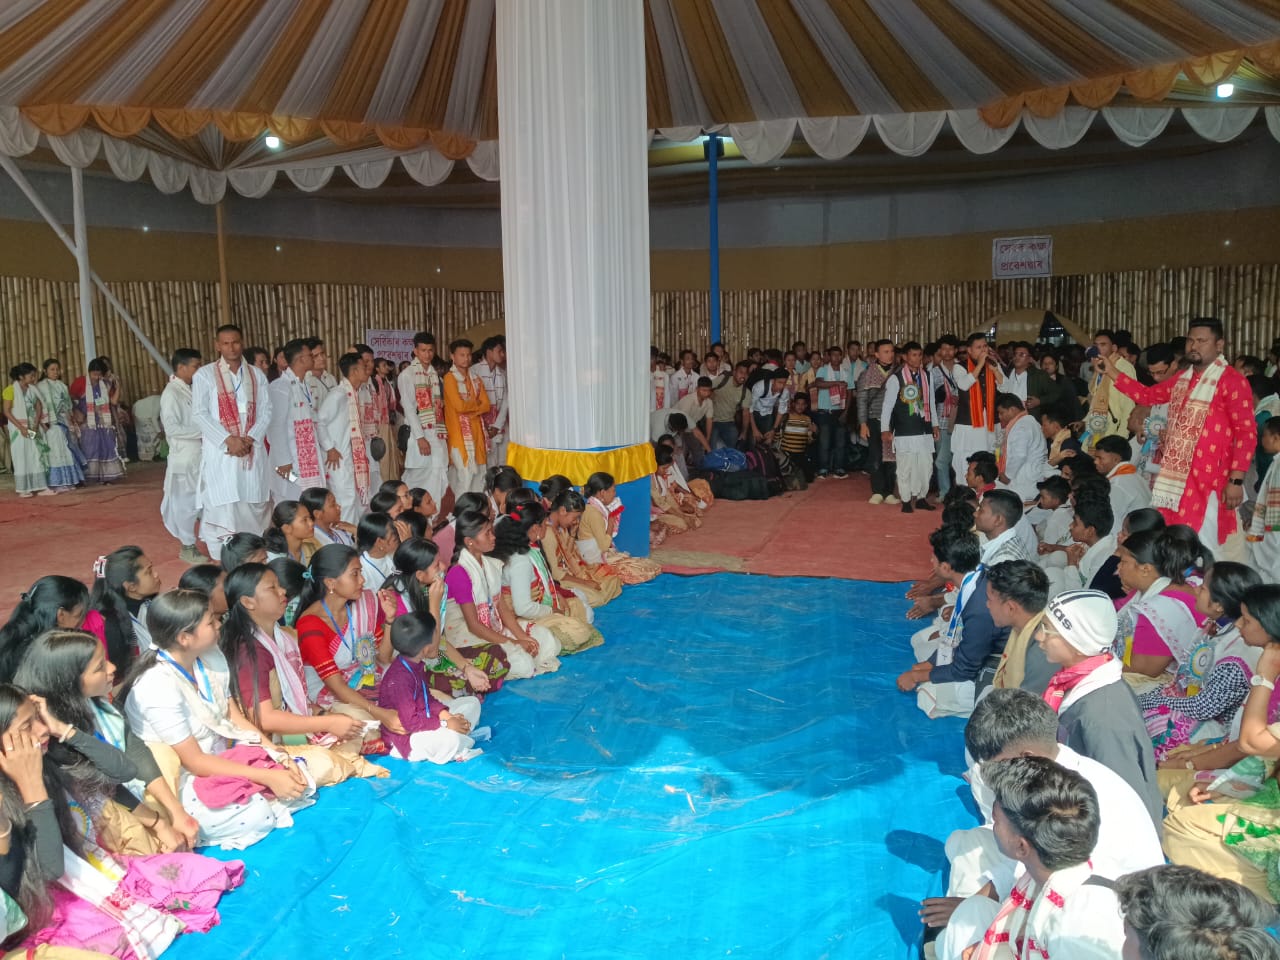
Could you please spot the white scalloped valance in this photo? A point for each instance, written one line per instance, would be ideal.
(910, 135)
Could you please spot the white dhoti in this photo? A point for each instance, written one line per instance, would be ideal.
(925, 642)
(465, 477)
(968, 925)
(444, 745)
(915, 465)
(222, 520)
(965, 441)
(342, 484)
(1265, 555)
(428, 471)
(180, 507)
(497, 450)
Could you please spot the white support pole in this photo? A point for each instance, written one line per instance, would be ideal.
(575, 243)
(9, 167)
(82, 262)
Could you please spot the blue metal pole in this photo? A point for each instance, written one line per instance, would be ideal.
(713, 158)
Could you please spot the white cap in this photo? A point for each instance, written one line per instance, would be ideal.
(1085, 618)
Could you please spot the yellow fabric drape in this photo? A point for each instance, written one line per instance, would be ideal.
(624, 463)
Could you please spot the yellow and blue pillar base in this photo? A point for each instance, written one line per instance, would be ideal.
(630, 466)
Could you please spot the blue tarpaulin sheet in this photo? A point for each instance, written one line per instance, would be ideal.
(734, 774)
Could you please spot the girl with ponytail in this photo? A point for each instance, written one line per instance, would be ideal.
(601, 518)
(177, 699)
(53, 602)
(474, 614)
(1159, 622)
(259, 651)
(528, 587)
(124, 583)
(290, 533)
(421, 588)
(52, 775)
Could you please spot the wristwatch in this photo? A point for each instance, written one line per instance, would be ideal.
(1260, 681)
(1237, 483)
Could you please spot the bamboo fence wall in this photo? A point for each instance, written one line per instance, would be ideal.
(40, 318)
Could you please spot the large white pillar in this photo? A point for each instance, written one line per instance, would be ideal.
(575, 242)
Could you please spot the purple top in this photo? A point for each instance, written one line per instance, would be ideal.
(459, 583)
(404, 690)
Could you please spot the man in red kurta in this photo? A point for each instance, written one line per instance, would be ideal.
(1209, 440)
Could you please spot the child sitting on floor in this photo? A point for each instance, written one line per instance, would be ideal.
(437, 728)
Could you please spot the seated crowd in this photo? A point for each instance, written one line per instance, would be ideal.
(139, 723)
(1117, 671)
(1116, 657)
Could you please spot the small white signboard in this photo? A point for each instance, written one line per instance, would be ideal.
(395, 345)
(1021, 257)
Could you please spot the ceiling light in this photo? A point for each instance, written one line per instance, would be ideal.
(278, 248)
(272, 142)
(1225, 90)
(145, 228)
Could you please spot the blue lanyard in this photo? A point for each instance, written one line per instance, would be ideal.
(204, 675)
(306, 392)
(960, 600)
(101, 730)
(351, 627)
(425, 695)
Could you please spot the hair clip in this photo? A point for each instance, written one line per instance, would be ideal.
(100, 568)
(226, 538)
(306, 575)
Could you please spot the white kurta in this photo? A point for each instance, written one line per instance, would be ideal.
(1025, 457)
(1127, 839)
(179, 508)
(431, 470)
(965, 438)
(1129, 492)
(234, 491)
(293, 403)
(334, 431)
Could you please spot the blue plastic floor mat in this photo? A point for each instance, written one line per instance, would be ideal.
(733, 774)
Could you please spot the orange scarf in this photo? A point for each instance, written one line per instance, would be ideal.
(983, 414)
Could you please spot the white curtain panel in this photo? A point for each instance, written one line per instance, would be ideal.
(18, 135)
(680, 134)
(1061, 130)
(1220, 124)
(1137, 126)
(370, 174)
(975, 134)
(252, 183)
(167, 174)
(763, 141)
(485, 160)
(429, 167)
(575, 220)
(127, 161)
(1273, 121)
(910, 134)
(78, 149)
(833, 138)
(309, 179)
(207, 186)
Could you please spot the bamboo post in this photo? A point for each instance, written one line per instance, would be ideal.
(224, 285)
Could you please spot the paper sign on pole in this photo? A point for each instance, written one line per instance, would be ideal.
(1021, 257)
(395, 345)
